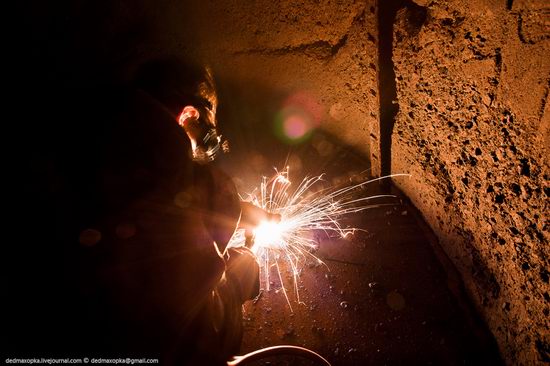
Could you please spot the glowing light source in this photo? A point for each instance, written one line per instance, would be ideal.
(289, 242)
(269, 235)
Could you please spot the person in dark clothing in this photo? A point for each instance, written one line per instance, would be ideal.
(137, 264)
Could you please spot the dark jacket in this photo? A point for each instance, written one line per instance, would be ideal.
(126, 263)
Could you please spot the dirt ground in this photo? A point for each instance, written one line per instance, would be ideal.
(381, 298)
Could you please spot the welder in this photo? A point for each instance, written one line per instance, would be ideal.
(131, 260)
(188, 302)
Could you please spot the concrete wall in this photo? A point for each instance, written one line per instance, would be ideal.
(260, 49)
(262, 52)
(473, 130)
(323, 52)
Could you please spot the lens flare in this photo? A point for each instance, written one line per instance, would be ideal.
(300, 114)
(295, 127)
(289, 243)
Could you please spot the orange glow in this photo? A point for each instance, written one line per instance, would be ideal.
(188, 113)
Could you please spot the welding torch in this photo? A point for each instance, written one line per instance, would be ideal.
(251, 217)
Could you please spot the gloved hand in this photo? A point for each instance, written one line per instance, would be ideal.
(243, 271)
(251, 217)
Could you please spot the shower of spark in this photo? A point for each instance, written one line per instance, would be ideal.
(291, 241)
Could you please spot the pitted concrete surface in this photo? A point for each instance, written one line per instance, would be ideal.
(472, 128)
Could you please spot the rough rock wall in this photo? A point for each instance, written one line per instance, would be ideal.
(473, 130)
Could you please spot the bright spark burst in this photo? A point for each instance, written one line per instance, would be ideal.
(302, 212)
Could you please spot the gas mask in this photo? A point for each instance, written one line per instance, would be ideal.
(206, 144)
